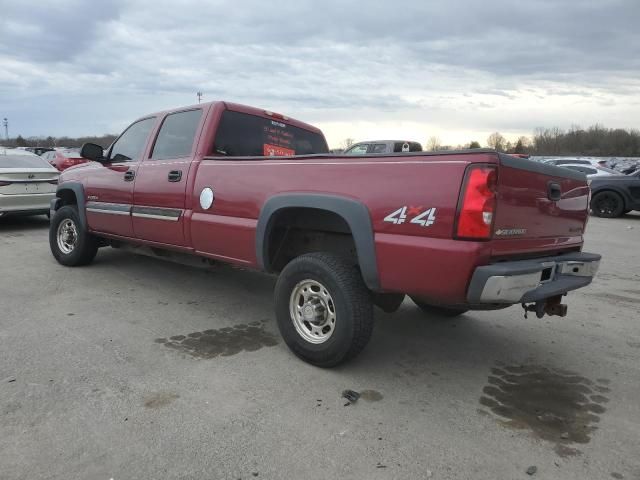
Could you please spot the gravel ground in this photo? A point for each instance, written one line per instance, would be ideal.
(135, 368)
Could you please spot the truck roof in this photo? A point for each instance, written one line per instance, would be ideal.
(237, 107)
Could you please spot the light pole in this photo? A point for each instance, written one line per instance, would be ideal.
(199, 95)
(5, 123)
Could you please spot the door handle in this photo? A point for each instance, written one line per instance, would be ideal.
(129, 175)
(175, 175)
(554, 192)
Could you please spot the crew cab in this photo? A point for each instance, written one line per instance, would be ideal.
(456, 231)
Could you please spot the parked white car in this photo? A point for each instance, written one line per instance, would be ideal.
(596, 162)
(591, 170)
(27, 183)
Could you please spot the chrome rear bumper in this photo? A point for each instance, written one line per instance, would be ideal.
(527, 281)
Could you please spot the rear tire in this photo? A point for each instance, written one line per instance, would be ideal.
(70, 244)
(448, 312)
(323, 309)
(607, 205)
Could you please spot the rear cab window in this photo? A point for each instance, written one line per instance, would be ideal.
(407, 147)
(244, 135)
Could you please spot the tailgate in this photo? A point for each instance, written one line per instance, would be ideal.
(540, 201)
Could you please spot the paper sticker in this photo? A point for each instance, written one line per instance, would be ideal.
(276, 151)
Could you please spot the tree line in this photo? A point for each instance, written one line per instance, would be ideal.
(71, 142)
(597, 141)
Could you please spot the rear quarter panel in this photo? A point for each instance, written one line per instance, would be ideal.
(407, 253)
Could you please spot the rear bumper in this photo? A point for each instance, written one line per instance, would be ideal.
(532, 280)
(38, 202)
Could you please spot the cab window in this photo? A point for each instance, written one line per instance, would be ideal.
(241, 134)
(177, 135)
(379, 148)
(360, 149)
(129, 146)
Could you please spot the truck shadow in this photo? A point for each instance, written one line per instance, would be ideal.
(408, 340)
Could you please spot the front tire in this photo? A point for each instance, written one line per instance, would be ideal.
(70, 244)
(448, 312)
(607, 205)
(323, 309)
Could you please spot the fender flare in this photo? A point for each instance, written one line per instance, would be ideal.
(78, 191)
(353, 212)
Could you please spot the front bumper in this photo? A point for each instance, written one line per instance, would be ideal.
(36, 202)
(527, 281)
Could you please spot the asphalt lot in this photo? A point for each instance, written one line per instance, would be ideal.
(93, 386)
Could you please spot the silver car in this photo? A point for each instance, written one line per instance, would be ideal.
(27, 184)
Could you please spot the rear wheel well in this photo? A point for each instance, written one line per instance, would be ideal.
(296, 231)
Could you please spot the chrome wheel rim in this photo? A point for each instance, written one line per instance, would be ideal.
(312, 311)
(67, 236)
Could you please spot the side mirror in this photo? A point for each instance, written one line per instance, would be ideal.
(91, 151)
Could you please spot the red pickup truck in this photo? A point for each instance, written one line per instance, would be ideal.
(457, 230)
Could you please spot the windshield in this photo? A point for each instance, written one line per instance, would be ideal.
(23, 161)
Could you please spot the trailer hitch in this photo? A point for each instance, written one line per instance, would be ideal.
(549, 306)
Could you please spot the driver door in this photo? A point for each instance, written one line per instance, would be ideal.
(110, 186)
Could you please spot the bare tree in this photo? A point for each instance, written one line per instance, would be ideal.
(433, 144)
(347, 142)
(496, 141)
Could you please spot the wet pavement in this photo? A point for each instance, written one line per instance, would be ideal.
(138, 368)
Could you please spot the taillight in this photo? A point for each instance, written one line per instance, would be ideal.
(477, 204)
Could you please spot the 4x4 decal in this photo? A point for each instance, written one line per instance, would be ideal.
(417, 215)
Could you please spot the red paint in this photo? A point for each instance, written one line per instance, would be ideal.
(425, 261)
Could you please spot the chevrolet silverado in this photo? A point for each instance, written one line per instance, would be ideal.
(456, 230)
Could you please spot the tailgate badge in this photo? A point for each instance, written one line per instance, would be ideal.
(510, 232)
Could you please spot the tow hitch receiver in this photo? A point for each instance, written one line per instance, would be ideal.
(550, 306)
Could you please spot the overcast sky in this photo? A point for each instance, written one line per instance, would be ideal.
(364, 69)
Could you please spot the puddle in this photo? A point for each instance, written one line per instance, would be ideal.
(370, 395)
(223, 342)
(555, 405)
(160, 399)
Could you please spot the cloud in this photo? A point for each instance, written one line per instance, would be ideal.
(465, 65)
(52, 31)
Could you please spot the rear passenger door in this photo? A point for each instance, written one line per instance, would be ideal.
(160, 187)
